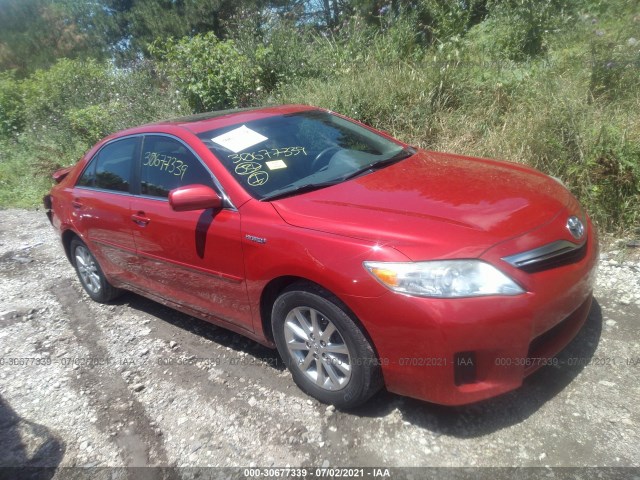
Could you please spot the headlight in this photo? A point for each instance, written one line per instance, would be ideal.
(443, 278)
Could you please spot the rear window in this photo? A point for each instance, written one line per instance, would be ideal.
(110, 168)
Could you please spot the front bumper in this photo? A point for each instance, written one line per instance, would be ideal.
(459, 351)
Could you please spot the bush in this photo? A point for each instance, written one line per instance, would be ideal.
(614, 68)
(614, 175)
(445, 20)
(11, 109)
(212, 74)
(545, 83)
(26, 164)
(545, 111)
(283, 53)
(68, 84)
(63, 111)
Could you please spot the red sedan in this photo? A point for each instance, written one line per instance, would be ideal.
(364, 261)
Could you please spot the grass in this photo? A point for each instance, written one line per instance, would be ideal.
(572, 113)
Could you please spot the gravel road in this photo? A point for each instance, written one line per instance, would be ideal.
(135, 383)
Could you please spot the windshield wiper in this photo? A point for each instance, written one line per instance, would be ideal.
(405, 153)
(307, 187)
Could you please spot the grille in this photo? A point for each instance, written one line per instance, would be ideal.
(549, 256)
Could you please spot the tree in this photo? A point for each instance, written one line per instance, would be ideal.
(34, 33)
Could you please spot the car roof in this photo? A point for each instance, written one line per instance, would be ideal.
(204, 122)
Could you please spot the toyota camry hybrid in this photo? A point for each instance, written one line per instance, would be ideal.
(366, 262)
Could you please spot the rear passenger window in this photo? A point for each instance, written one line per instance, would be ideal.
(168, 164)
(110, 169)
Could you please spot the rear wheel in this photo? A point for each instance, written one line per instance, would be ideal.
(90, 274)
(324, 348)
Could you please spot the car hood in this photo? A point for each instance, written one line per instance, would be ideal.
(433, 205)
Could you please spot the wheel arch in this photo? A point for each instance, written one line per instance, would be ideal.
(67, 237)
(277, 285)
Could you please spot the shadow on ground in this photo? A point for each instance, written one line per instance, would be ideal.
(27, 450)
(219, 335)
(464, 422)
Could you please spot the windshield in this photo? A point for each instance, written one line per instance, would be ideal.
(287, 154)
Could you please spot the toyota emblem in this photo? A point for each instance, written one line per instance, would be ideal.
(576, 227)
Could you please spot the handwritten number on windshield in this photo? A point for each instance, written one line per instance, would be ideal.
(267, 154)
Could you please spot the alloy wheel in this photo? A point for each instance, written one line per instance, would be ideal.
(317, 348)
(88, 269)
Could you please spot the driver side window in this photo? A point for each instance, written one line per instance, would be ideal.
(168, 164)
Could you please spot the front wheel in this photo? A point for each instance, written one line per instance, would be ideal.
(90, 274)
(327, 353)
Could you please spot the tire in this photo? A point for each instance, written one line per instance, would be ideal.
(323, 347)
(90, 274)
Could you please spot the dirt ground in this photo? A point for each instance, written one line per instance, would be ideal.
(136, 384)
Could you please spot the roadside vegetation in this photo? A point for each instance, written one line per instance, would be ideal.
(550, 83)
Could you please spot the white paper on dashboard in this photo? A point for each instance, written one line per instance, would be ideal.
(239, 139)
(276, 164)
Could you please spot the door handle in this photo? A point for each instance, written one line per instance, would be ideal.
(77, 204)
(140, 219)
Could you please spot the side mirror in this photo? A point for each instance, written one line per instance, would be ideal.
(194, 197)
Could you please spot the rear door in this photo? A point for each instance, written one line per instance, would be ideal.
(190, 258)
(101, 205)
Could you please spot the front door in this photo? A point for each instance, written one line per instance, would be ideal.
(190, 258)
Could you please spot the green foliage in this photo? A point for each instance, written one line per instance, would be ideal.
(91, 99)
(67, 84)
(212, 74)
(549, 83)
(614, 67)
(569, 110)
(286, 57)
(286, 54)
(497, 39)
(403, 40)
(152, 19)
(89, 122)
(517, 29)
(35, 33)
(445, 20)
(614, 167)
(52, 117)
(11, 110)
